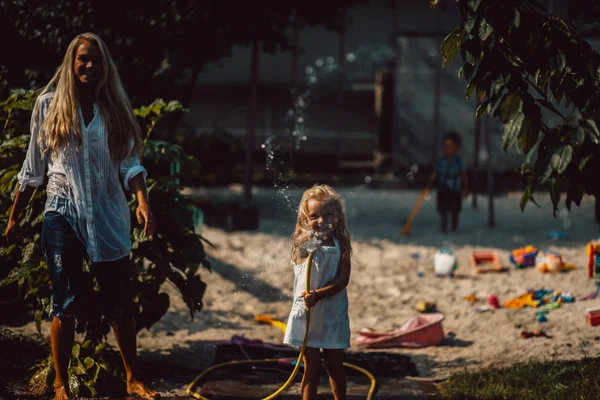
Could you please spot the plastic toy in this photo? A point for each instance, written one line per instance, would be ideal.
(593, 251)
(524, 256)
(415, 211)
(593, 316)
(485, 261)
(444, 262)
(493, 301)
(547, 261)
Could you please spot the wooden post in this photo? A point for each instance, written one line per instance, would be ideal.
(490, 172)
(251, 118)
(340, 88)
(436, 100)
(476, 152)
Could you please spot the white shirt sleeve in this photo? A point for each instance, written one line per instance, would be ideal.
(36, 161)
(130, 167)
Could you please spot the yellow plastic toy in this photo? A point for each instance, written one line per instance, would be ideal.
(267, 319)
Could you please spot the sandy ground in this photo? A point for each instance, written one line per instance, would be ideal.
(252, 275)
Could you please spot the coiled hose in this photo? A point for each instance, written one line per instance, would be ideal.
(288, 383)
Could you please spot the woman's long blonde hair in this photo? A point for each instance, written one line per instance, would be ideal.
(61, 124)
(323, 192)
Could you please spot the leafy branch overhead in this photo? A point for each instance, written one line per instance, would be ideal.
(541, 79)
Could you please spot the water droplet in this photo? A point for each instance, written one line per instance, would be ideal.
(330, 60)
(410, 176)
(567, 223)
(350, 57)
(368, 179)
(263, 145)
(304, 138)
(483, 155)
(310, 70)
(414, 168)
(564, 213)
(428, 197)
(300, 120)
(312, 79)
(319, 63)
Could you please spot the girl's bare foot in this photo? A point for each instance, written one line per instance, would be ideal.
(60, 392)
(136, 387)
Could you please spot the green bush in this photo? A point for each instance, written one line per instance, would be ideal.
(175, 253)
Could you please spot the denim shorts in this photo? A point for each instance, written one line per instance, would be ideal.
(65, 253)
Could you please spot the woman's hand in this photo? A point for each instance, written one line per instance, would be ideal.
(310, 299)
(144, 216)
(12, 232)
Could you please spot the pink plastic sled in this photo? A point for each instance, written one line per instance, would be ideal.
(420, 331)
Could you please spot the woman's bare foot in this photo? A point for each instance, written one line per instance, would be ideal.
(136, 387)
(60, 392)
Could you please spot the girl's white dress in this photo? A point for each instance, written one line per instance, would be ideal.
(329, 322)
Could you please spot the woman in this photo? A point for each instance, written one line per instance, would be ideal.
(84, 136)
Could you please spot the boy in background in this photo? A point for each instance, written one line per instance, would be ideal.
(450, 172)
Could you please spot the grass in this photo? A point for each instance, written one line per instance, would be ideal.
(560, 380)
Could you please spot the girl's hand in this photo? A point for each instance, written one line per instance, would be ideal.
(144, 216)
(310, 299)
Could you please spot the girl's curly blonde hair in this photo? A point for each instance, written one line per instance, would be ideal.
(323, 192)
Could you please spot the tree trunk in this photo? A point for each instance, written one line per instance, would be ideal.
(251, 119)
(490, 172)
(340, 88)
(437, 87)
(476, 152)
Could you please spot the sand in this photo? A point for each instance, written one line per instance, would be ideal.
(252, 275)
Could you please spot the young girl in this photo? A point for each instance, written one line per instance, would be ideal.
(85, 138)
(321, 220)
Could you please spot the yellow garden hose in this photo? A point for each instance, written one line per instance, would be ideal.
(287, 384)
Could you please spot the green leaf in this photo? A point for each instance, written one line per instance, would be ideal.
(470, 23)
(41, 377)
(470, 89)
(88, 362)
(562, 158)
(469, 58)
(77, 367)
(511, 105)
(533, 149)
(73, 385)
(485, 30)
(75, 351)
(483, 108)
(511, 130)
(451, 44)
(39, 315)
(583, 163)
(577, 136)
(474, 4)
(468, 70)
(517, 18)
(592, 129)
(561, 61)
(529, 133)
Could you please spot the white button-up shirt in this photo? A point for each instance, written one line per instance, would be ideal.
(85, 185)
